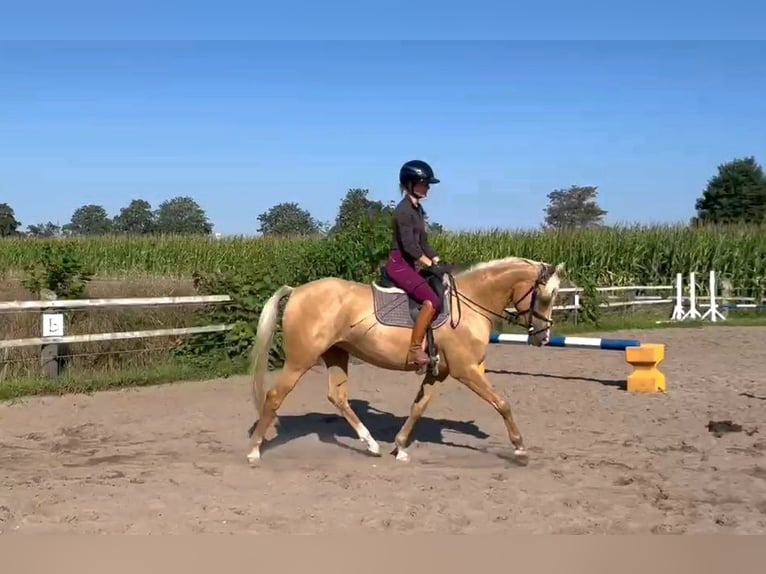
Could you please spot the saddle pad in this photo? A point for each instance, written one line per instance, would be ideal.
(392, 308)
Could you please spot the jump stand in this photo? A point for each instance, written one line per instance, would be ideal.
(644, 358)
(646, 377)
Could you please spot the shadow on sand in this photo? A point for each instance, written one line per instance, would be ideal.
(618, 383)
(383, 426)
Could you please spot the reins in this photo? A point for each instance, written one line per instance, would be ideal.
(507, 316)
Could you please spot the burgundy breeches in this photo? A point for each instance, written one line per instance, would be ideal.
(406, 277)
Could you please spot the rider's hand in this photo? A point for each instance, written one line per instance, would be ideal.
(435, 260)
(425, 261)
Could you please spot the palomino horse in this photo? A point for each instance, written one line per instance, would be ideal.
(332, 318)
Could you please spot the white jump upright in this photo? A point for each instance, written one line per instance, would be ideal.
(713, 313)
(678, 310)
(692, 313)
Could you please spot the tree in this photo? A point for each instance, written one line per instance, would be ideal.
(287, 218)
(182, 215)
(9, 225)
(737, 193)
(361, 235)
(89, 220)
(136, 218)
(434, 228)
(355, 207)
(575, 207)
(48, 229)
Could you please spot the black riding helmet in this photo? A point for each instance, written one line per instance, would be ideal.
(415, 171)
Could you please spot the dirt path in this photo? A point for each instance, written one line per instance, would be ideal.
(172, 458)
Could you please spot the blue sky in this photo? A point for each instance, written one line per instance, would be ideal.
(390, 20)
(241, 126)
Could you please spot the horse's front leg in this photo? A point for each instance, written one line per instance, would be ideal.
(474, 379)
(426, 392)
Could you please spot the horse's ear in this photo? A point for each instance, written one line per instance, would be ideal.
(550, 270)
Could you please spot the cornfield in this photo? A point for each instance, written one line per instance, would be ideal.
(609, 256)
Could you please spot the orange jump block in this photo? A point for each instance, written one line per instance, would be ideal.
(646, 377)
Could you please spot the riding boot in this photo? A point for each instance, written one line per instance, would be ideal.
(416, 356)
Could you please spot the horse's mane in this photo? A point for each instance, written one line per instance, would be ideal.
(468, 272)
(502, 262)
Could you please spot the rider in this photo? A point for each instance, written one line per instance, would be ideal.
(410, 246)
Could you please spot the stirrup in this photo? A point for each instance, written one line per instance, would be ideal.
(411, 359)
(432, 365)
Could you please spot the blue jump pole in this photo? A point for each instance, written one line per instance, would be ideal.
(571, 342)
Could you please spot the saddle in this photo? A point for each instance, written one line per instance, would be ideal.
(394, 307)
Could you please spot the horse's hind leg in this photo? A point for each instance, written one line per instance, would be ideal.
(425, 394)
(286, 381)
(336, 361)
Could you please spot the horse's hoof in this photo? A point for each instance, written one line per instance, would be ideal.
(521, 455)
(402, 456)
(254, 457)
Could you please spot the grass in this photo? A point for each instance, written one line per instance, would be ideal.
(169, 372)
(653, 323)
(644, 319)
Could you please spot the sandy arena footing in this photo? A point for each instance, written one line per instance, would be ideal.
(171, 459)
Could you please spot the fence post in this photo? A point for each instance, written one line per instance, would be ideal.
(576, 306)
(52, 326)
(727, 294)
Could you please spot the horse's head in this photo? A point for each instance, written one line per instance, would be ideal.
(534, 298)
(530, 286)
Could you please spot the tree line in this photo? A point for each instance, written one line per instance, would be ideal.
(735, 194)
(290, 219)
(180, 214)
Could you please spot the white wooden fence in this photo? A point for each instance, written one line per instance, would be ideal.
(717, 306)
(54, 329)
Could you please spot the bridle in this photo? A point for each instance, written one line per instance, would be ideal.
(515, 316)
(512, 317)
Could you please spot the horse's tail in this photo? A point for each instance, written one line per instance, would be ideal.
(264, 337)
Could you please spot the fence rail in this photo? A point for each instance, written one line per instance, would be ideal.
(119, 336)
(119, 302)
(717, 307)
(639, 300)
